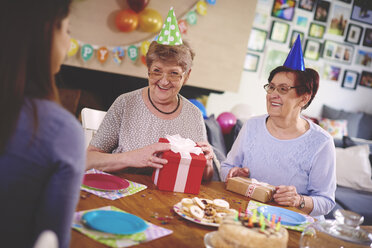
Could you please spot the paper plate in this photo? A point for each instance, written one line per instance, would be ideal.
(288, 217)
(105, 182)
(177, 208)
(114, 222)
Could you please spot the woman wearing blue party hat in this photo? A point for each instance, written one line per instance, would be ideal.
(129, 133)
(284, 149)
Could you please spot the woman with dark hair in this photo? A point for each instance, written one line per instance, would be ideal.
(286, 150)
(42, 157)
(129, 133)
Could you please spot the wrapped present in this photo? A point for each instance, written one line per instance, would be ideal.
(185, 167)
(251, 188)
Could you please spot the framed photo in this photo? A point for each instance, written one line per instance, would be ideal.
(367, 41)
(331, 72)
(306, 4)
(354, 33)
(363, 58)
(362, 11)
(251, 62)
(316, 30)
(279, 31)
(294, 36)
(301, 21)
(338, 52)
(350, 80)
(257, 40)
(321, 11)
(338, 23)
(283, 9)
(260, 19)
(312, 49)
(366, 79)
(273, 58)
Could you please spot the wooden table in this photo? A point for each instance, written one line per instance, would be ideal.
(150, 202)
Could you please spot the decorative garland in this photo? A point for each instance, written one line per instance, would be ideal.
(118, 52)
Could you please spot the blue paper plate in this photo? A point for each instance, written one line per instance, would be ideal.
(114, 222)
(288, 217)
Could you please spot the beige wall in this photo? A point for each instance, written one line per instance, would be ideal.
(219, 39)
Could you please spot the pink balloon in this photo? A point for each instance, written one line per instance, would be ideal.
(227, 121)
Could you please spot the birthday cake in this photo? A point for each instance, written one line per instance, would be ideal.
(243, 232)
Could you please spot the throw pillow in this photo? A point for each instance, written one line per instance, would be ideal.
(337, 128)
(347, 142)
(353, 168)
(353, 118)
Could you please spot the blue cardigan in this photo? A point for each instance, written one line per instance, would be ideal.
(40, 175)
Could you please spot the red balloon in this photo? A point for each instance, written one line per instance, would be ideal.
(126, 20)
(227, 121)
(138, 5)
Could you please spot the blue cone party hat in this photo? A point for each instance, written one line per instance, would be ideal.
(295, 59)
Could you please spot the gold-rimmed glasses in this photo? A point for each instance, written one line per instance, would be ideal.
(173, 77)
(281, 88)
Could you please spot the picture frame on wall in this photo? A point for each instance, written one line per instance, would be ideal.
(321, 11)
(294, 36)
(363, 58)
(339, 20)
(257, 39)
(251, 62)
(367, 40)
(339, 52)
(350, 80)
(366, 79)
(312, 49)
(306, 4)
(362, 11)
(354, 33)
(279, 31)
(331, 72)
(316, 30)
(302, 21)
(283, 9)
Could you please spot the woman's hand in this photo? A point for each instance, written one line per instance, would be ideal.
(237, 172)
(148, 156)
(287, 195)
(209, 155)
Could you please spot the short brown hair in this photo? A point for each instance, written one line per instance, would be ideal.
(307, 81)
(181, 55)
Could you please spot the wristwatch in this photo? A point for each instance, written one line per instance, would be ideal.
(302, 202)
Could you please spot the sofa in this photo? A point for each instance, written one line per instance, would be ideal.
(353, 139)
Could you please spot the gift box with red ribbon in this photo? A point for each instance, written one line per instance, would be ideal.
(185, 167)
(252, 188)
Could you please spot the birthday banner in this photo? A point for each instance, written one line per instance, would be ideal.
(138, 15)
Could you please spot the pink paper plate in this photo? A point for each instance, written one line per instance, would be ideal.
(105, 182)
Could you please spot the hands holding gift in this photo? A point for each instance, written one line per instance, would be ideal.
(237, 172)
(209, 155)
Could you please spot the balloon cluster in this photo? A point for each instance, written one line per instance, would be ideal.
(148, 20)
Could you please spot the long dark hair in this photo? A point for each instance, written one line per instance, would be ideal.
(26, 29)
(307, 81)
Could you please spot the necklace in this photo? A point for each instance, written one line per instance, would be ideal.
(166, 113)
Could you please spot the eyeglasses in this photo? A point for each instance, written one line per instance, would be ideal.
(282, 88)
(173, 77)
